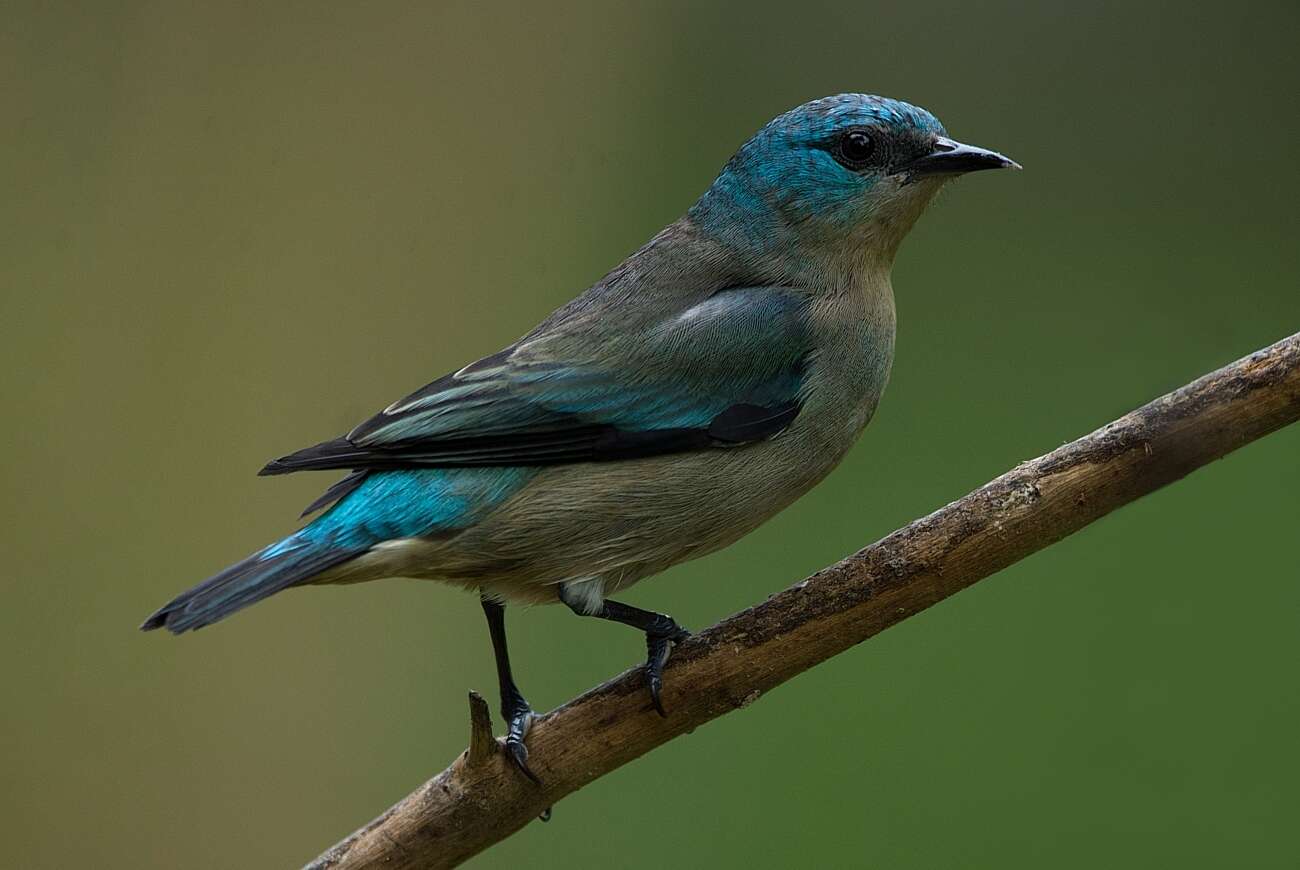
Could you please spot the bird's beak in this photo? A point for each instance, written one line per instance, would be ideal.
(954, 158)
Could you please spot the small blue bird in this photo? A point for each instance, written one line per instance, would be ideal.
(703, 385)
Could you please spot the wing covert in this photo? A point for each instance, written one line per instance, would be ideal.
(725, 371)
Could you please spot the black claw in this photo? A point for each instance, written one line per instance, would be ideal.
(519, 755)
(658, 648)
(518, 722)
(661, 632)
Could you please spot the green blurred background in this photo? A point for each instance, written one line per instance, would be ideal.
(232, 231)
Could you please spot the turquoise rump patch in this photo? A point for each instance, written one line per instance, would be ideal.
(412, 502)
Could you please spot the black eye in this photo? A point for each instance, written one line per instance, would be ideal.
(855, 149)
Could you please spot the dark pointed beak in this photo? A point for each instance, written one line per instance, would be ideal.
(954, 158)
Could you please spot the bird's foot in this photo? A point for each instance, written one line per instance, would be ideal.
(658, 647)
(519, 719)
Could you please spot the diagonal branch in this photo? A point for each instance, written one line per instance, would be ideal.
(479, 800)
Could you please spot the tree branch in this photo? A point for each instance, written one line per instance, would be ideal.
(480, 800)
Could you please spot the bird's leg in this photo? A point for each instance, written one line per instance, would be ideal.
(514, 709)
(661, 632)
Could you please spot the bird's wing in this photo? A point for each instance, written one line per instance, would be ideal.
(725, 371)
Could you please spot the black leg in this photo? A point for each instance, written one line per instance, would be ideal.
(514, 709)
(661, 632)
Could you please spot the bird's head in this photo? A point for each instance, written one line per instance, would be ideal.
(841, 176)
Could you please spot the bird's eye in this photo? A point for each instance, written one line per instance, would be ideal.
(855, 149)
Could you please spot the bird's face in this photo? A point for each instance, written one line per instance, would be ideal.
(852, 169)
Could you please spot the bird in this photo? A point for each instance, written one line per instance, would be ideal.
(700, 387)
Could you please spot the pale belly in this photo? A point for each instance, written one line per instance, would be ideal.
(607, 525)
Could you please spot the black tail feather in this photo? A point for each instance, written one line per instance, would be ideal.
(259, 576)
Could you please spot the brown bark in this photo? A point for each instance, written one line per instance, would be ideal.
(480, 800)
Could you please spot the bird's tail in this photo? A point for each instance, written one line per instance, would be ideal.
(290, 562)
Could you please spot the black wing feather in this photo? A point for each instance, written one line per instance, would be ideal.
(726, 372)
(738, 424)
